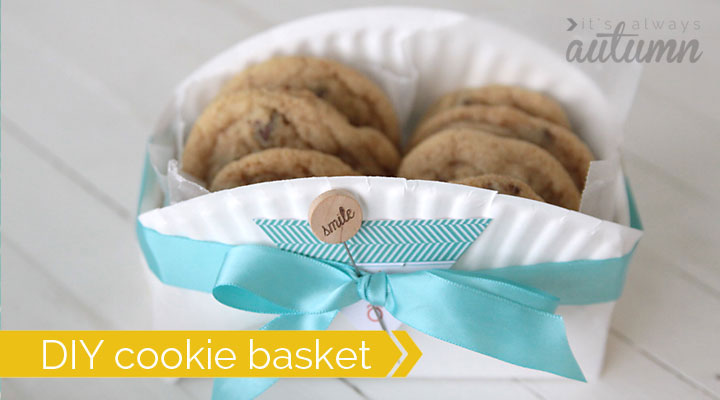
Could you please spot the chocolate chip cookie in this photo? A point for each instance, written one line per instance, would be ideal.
(350, 92)
(501, 184)
(278, 164)
(528, 101)
(244, 122)
(564, 145)
(458, 153)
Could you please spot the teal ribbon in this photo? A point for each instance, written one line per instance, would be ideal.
(473, 310)
(506, 313)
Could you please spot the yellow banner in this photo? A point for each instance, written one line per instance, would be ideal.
(123, 354)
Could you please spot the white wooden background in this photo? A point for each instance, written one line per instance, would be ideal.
(83, 83)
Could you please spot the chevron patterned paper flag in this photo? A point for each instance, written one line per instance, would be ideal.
(382, 241)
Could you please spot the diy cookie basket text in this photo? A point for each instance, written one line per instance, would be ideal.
(566, 263)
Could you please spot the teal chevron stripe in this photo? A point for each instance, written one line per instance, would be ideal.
(382, 241)
(297, 231)
(381, 254)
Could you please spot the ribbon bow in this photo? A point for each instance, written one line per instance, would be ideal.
(472, 309)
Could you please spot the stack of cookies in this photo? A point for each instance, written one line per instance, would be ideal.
(504, 138)
(293, 117)
(296, 117)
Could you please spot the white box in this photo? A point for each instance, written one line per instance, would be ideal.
(415, 55)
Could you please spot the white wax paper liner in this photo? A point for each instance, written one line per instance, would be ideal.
(416, 55)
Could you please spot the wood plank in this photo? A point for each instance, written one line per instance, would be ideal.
(135, 52)
(86, 134)
(98, 95)
(79, 242)
(444, 389)
(92, 389)
(680, 222)
(685, 84)
(32, 299)
(284, 389)
(672, 320)
(676, 142)
(520, 11)
(628, 375)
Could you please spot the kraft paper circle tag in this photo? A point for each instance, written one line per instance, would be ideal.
(335, 216)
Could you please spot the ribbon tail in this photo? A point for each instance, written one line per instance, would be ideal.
(240, 388)
(556, 356)
(250, 388)
(484, 322)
